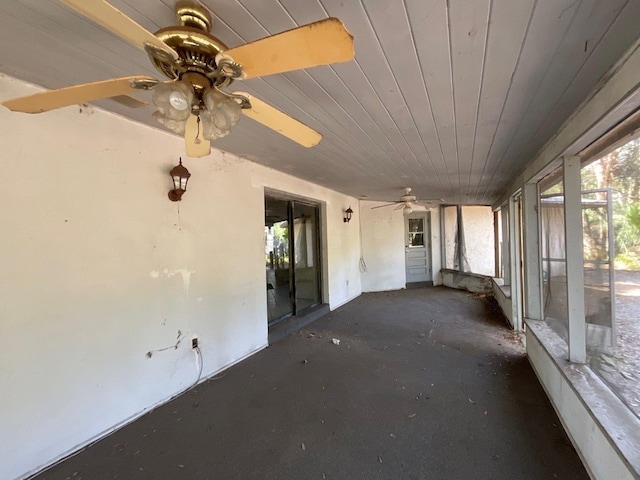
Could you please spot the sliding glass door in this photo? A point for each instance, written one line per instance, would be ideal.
(292, 257)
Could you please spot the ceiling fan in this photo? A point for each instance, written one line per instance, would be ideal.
(194, 101)
(408, 201)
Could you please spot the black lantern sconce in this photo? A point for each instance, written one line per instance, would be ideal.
(347, 215)
(180, 176)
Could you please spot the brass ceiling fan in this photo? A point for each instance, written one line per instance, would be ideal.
(194, 101)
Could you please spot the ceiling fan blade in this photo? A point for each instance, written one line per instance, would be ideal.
(117, 22)
(87, 92)
(191, 132)
(385, 205)
(282, 123)
(319, 43)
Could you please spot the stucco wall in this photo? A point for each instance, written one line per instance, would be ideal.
(100, 269)
(383, 246)
(479, 241)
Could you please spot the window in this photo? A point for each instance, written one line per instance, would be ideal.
(468, 239)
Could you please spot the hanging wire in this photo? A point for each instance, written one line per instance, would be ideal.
(362, 263)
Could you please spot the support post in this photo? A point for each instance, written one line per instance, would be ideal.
(532, 275)
(514, 263)
(574, 255)
(496, 241)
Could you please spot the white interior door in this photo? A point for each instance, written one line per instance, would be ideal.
(418, 247)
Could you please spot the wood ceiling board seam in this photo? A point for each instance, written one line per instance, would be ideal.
(504, 48)
(406, 69)
(327, 139)
(271, 16)
(553, 34)
(379, 106)
(344, 67)
(351, 105)
(479, 97)
(434, 58)
(351, 13)
(328, 125)
(414, 127)
(83, 32)
(522, 80)
(562, 109)
(155, 16)
(425, 87)
(542, 108)
(348, 127)
(453, 96)
(468, 25)
(110, 18)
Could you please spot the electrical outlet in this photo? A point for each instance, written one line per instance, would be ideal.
(194, 342)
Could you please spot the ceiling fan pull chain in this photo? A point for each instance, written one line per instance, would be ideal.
(197, 140)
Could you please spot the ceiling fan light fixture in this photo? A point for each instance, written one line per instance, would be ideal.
(407, 210)
(174, 99)
(220, 116)
(178, 100)
(177, 126)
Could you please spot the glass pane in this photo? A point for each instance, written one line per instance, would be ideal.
(554, 263)
(611, 226)
(276, 236)
(305, 234)
(416, 240)
(416, 225)
(598, 268)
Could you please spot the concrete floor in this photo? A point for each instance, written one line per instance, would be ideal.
(425, 384)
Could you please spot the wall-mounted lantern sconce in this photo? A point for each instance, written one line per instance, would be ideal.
(180, 176)
(347, 215)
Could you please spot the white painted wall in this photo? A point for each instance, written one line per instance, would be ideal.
(101, 268)
(383, 246)
(479, 241)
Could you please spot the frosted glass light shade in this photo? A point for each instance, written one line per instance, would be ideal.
(168, 96)
(221, 114)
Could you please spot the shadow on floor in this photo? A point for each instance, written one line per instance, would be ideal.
(425, 384)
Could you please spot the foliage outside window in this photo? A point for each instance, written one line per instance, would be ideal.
(612, 267)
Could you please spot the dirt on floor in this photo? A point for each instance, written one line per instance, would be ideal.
(621, 370)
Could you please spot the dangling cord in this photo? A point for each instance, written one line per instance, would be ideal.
(197, 140)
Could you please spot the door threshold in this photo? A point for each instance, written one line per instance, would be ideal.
(419, 284)
(295, 322)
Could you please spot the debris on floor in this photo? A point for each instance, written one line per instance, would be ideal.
(335, 341)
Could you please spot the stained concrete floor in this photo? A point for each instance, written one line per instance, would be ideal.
(425, 384)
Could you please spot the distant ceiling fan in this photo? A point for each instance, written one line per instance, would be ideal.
(408, 201)
(194, 101)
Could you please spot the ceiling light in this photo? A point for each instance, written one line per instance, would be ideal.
(407, 210)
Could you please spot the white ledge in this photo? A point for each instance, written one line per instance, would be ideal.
(611, 418)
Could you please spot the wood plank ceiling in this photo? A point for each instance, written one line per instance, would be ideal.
(450, 97)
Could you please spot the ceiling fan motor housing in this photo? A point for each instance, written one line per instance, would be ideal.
(195, 46)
